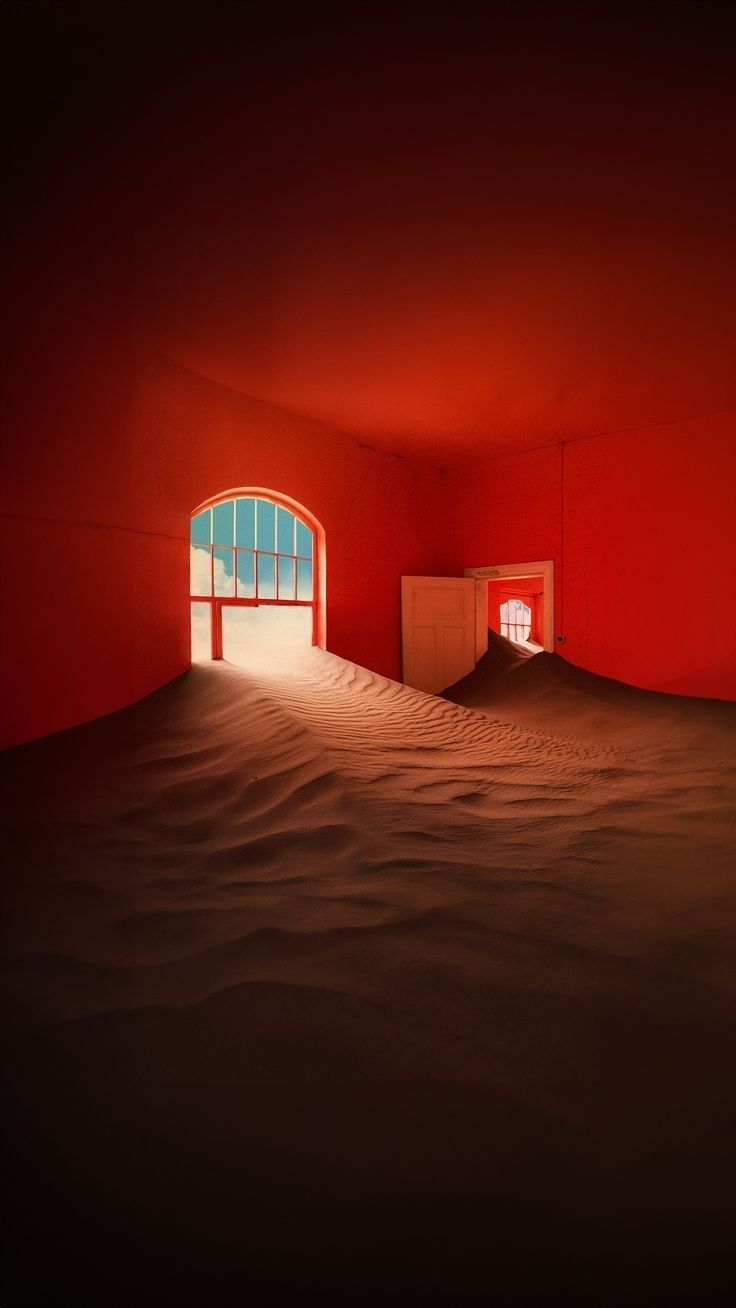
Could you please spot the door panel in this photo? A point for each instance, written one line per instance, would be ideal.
(439, 601)
(424, 654)
(481, 619)
(440, 635)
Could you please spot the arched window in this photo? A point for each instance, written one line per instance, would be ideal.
(516, 620)
(249, 549)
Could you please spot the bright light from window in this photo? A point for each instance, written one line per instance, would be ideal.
(516, 620)
(248, 553)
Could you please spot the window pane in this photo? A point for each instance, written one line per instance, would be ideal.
(266, 538)
(245, 523)
(200, 570)
(222, 524)
(304, 580)
(250, 635)
(237, 627)
(224, 574)
(266, 576)
(284, 531)
(202, 528)
(286, 579)
(303, 540)
(201, 633)
(246, 574)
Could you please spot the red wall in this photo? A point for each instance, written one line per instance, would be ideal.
(109, 446)
(110, 456)
(651, 514)
(107, 455)
(221, 213)
(638, 524)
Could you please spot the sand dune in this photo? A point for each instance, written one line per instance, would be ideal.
(316, 981)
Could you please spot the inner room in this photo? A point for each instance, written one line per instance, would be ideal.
(368, 650)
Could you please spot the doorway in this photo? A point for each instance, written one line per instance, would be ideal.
(521, 599)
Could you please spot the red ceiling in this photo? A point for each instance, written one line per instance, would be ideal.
(445, 237)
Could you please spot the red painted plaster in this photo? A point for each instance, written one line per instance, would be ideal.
(449, 245)
(97, 531)
(638, 524)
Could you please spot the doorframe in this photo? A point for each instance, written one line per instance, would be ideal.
(544, 569)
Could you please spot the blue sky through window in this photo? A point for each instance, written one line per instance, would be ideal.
(244, 539)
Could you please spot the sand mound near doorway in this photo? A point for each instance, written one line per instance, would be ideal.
(545, 691)
(316, 981)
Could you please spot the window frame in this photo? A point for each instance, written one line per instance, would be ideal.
(217, 602)
(525, 623)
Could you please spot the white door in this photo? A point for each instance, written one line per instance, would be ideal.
(444, 629)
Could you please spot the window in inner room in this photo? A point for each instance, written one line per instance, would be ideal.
(253, 577)
(516, 620)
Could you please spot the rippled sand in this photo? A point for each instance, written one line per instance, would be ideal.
(316, 981)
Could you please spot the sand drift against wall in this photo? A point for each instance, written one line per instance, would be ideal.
(316, 981)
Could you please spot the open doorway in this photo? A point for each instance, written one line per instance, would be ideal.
(257, 577)
(521, 602)
(515, 610)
